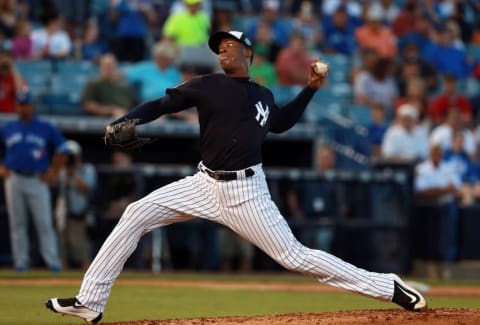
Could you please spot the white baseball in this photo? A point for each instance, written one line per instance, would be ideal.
(321, 68)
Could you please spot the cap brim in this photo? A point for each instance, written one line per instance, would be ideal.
(215, 39)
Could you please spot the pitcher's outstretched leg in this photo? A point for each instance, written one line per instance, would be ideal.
(138, 219)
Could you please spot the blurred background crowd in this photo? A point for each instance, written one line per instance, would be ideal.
(403, 91)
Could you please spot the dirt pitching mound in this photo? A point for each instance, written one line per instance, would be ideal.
(439, 316)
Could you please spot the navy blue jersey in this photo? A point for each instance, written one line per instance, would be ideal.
(235, 115)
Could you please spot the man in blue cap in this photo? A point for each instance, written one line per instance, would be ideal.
(33, 153)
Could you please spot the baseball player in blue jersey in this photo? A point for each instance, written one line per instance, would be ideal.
(235, 115)
(34, 152)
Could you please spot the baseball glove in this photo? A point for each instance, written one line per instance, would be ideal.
(124, 136)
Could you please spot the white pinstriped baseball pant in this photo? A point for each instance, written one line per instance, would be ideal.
(245, 206)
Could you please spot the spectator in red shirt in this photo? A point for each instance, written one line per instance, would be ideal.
(293, 62)
(449, 98)
(11, 82)
(405, 21)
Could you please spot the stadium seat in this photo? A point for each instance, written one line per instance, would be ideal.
(244, 21)
(65, 93)
(333, 98)
(69, 83)
(198, 56)
(320, 112)
(473, 51)
(64, 104)
(33, 68)
(282, 94)
(85, 68)
(341, 90)
(39, 85)
(472, 87)
(331, 92)
(336, 59)
(340, 66)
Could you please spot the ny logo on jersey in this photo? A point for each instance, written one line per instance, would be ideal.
(262, 113)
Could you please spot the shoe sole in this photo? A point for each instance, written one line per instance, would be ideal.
(49, 305)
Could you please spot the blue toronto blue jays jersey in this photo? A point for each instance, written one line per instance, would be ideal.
(29, 146)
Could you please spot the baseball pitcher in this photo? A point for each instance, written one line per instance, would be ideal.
(235, 115)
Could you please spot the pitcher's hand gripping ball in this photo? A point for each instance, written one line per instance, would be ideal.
(321, 68)
(124, 136)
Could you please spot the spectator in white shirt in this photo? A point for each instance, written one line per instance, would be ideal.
(403, 141)
(435, 179)
(390, 10)
(462, 164)
(51, 41)
(443, 134)
(354, 8)
(376, 85)
(433, 174)
(437, 184)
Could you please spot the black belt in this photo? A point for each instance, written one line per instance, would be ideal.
(26, 173)
(225, 175)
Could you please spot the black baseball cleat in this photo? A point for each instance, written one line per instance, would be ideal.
(407, 297)
(71, 306)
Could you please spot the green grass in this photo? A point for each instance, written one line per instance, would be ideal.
(286, 277)
(42, 274)
(23, 304)
(278, 277)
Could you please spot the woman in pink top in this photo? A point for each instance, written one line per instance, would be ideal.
(22, 43)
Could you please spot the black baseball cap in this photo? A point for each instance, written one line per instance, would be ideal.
(217, 37)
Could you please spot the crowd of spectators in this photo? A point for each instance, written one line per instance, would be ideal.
(413, 65)
(389, 41)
